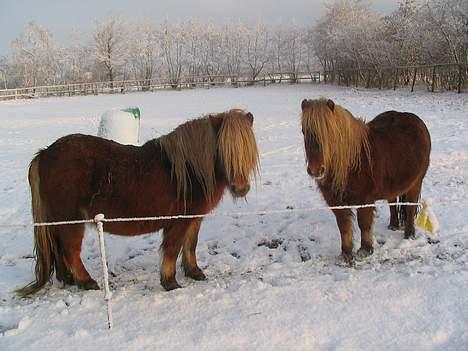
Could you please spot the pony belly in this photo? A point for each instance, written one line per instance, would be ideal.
(134, 228)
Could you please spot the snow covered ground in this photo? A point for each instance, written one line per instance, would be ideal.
(273, 280)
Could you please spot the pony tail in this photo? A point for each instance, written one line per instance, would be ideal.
(44, 242)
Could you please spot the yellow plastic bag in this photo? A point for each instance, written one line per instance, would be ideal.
(427, 219)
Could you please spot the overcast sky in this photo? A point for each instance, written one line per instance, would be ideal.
(62, 17)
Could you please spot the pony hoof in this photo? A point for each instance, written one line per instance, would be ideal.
(364, 252)
(196, 275)
(348, 259)
(66, 278)
(410, 236)
(88, 285)
(393, 227)
(169, 285)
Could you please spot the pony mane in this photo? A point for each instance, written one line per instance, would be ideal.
(237, 146)
(195, 148)
(341, 137)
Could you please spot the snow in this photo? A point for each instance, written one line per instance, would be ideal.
(274, 281)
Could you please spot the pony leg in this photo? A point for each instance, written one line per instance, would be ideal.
(189, 258)
(62, 273)
(172, 242)
(70, 239)
(365, 221)
(343, 219)
(411, 196)
(394, 220)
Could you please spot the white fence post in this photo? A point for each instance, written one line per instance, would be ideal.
(108, 294)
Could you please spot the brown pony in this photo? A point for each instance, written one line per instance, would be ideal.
(356, 163)
(183, 172)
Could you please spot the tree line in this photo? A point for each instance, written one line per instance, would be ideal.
(348, 36)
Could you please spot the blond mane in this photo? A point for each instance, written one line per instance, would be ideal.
(341, 137)
(237, 146)
(196, 147)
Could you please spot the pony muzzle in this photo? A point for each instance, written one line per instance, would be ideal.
(237, 191)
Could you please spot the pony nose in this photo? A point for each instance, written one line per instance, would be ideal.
(239, 192)
(322, 171)
(319, 175)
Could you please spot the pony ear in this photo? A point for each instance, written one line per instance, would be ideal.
(331, 104)
(250, 117)
(216, 121)
(304, 104)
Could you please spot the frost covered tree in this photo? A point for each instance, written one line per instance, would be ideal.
(144, 53)
(233, 48)
(173, 43)
(193, 50)
(257, 54)
(445, 26)
(350, 36)
(4, 72)
(79, 59)
(339, 37)
(310, 62)
(403, 34)
(34, 58)
(110, 48)
(277, 51)
(211, 52)
(293, 52)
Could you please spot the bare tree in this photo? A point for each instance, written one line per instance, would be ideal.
(276, 51)
(79, 58)
(211, 52)
(193, 50)
(446, 20)
(257, 53)
(173, 44)
(144, 53)
(293, 52)
(233, 45)
(33, 55)
(109, 40)
(4, 72)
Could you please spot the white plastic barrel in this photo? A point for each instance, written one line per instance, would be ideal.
(122, 126)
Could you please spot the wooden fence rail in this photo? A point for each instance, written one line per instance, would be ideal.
(432, 77)
(124, 86)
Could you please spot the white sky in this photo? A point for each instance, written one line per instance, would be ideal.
(62, 17)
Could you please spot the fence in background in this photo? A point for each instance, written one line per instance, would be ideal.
(441, 77)
(124, 86)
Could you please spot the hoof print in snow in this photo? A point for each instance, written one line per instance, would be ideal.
(14, 328)
(304, 253)
(235, 255)
(212, 248)
(271, 244)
